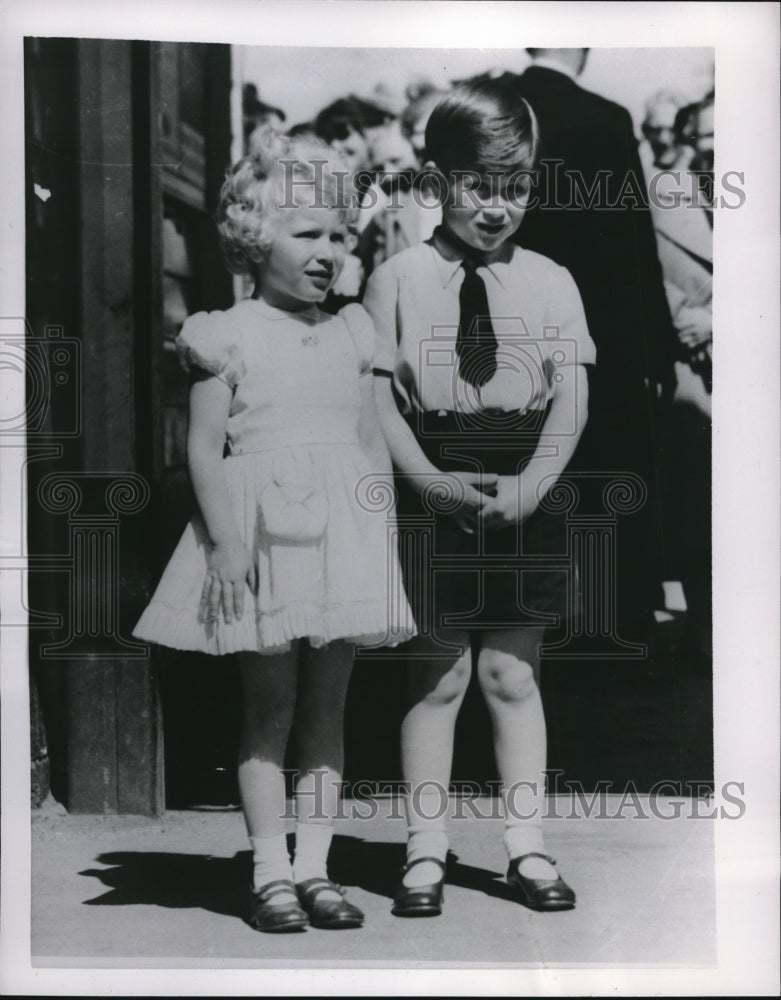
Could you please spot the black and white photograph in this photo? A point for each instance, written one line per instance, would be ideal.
(389, 443)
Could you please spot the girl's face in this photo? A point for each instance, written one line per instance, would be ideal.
(306, 257)
(484, 211)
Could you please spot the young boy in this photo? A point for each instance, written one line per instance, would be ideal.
(482, 394)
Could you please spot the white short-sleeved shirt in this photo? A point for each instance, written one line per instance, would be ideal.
(537, 316)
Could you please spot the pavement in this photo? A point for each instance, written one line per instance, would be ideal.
(127, 891)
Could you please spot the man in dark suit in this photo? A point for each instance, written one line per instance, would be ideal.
(588, 212)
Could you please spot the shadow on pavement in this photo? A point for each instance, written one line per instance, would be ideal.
(219, 885)
(169, 879)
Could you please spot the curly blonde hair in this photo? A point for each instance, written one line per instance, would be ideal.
(270, 179)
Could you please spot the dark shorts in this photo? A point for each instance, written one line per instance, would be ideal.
(492, 579)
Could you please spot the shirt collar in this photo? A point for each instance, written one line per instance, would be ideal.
(552, 64)
(310, 314)
(449, 257)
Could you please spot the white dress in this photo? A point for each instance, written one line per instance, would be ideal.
(307, 503)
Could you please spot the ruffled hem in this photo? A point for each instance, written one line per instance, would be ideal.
(274, 632)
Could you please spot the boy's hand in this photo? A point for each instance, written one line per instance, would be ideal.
(695, 326)
(514, 502)
(467, 492)
(230, 566)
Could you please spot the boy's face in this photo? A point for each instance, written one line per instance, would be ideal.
(485, 210)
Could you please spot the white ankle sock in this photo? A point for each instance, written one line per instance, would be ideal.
(524, 804)
(270, 862)
(526, 838)
(523, 838)
(427, 835)
(313, 841)
(425, 844)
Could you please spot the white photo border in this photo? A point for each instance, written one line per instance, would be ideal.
(745, 37)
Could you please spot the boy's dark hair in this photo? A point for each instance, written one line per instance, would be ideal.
(483, 126)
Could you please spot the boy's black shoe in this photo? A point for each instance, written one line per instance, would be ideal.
(540, 893)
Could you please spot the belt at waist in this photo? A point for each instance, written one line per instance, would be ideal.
(500, 442)
(494, 424)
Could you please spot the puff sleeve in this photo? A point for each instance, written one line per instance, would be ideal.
(361, 328)
(564, 312)
(211, 342)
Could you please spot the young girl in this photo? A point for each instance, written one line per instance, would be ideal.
(284, 565)
(482, 393)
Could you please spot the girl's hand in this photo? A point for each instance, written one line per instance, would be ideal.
(470, 492)
(230, 566)
(514, 502)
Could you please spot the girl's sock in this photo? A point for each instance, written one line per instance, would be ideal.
(270, 863)
(313, 841)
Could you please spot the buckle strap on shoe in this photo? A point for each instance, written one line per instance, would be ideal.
(275, 888)
(419, 861)
(310, 888)
(535, 854)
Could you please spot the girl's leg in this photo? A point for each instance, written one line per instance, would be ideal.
(318, 730)
(437, 682)
(507, 668)
(269, 684)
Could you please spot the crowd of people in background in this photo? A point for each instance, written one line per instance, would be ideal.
(680, 138)
(654, 346)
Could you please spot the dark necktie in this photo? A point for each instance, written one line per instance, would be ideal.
(476, 344)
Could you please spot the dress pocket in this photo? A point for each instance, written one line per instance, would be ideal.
(293, 506)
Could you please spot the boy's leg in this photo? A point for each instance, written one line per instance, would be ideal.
(437, 682)
(507, 667)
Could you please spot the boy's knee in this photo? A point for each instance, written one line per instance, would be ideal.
(451, 686)
(505, 678)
